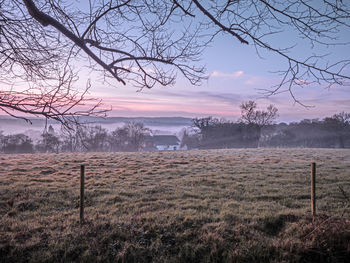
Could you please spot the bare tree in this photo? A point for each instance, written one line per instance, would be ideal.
(92, 138)
(119, 140)
(250, 114)
(342, 117)
(129, 137)
(49, 143)
(200, 124)
(17, 143)
(136, 134)
(256, 120)
(339, 125)
(148, 42)
(35, 73)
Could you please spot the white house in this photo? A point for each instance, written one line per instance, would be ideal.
(163, 142)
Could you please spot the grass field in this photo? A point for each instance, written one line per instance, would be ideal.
(240, 205)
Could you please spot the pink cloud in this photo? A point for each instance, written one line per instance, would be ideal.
(233, 75)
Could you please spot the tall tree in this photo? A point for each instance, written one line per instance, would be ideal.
(147, 42)
(130, 137)
(93, 138)
(49, 143)
(256, 119)
(119, 140)
(250, 114)
(339, 124)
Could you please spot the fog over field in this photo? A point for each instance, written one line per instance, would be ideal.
(160, 125)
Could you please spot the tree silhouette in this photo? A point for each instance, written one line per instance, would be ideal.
(339, 124)
(250, 114)
(129, 137)
(148, 42)
(49, 143)
(92, 138)
(17, 143)
(256, 119)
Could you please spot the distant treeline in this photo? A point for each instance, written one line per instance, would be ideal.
(254, 129)
(210, 133)
(82, 138)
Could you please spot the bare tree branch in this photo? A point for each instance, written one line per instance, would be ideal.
(47, 20)
(149, 42)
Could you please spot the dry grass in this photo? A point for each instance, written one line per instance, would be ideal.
(194, 206)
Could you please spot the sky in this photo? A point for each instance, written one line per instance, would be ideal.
(236, 74)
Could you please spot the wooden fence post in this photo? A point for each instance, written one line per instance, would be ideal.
(82, 175)
(313, 189)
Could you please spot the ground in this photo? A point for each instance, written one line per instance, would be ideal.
(235, 205)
